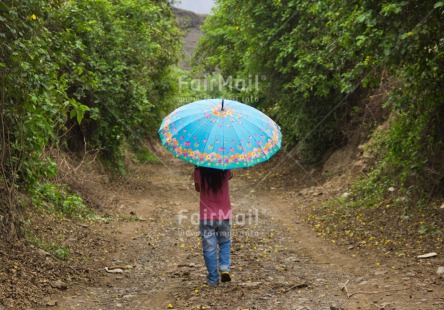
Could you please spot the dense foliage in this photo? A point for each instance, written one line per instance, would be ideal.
(320, 57)
(124, 78)
(94, 72)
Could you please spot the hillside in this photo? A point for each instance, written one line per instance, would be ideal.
(190, 24)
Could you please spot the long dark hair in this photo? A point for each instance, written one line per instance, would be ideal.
(211, 179)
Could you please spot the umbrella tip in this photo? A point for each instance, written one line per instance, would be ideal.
(222, 105)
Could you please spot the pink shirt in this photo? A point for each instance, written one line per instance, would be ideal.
(214, 207)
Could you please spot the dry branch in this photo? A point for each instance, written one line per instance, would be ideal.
(344, 288)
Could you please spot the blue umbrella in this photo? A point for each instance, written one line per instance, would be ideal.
(221, 134)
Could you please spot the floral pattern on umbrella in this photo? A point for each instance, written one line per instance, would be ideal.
(220, 135)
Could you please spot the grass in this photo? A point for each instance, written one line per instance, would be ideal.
(144, 156)
(56, 199)
(61, 252)
(131, 218)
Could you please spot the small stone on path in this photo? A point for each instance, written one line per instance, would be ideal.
(118, 270)
(428, 255)
(51, 303)
(59, 285)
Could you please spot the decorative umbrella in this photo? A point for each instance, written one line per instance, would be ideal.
(221, 134)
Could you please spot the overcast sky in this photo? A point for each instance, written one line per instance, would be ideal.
(197, 6)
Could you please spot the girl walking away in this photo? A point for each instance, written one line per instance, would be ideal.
(215, 221)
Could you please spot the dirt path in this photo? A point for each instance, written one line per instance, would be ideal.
(278, 262)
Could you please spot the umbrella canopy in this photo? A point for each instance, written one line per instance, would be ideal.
(221, 134)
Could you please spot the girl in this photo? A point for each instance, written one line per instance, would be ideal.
(215, 220)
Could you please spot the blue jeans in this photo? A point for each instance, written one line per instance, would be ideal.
(215, 232)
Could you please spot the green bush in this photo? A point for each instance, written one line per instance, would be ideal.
(56, 199)
(143, 155)
(90, 71)
(123, 70)
(321, 57)
(58, 251)
(84, 73)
